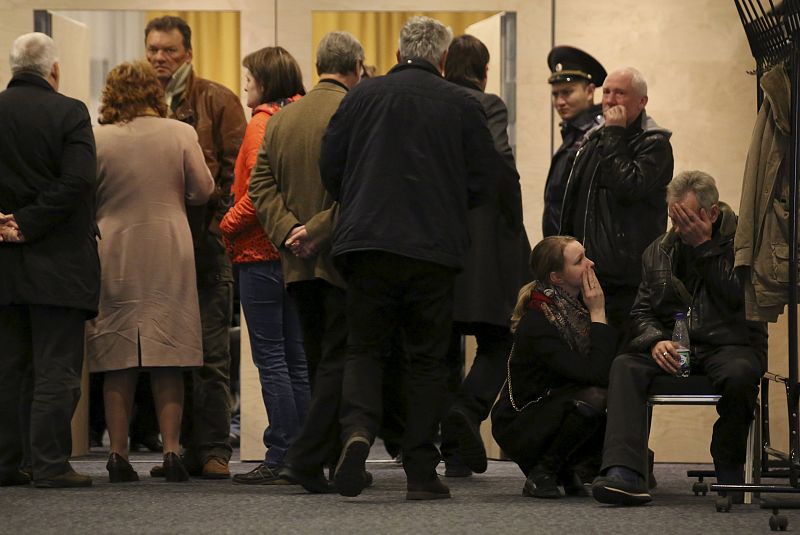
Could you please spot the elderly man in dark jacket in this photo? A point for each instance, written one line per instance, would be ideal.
(614, 201)
(50, 280)
(688, 270)
(405, 155)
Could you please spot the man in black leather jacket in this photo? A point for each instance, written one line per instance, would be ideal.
(574, 77)
(614, 201)
(689, 269)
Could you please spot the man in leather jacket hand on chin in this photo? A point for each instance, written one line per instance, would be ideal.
(614, 201)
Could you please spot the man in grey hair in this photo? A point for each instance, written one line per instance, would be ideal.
(614, 197)
(298, 216)
(51, 272)
(405, 155)
(689, 270)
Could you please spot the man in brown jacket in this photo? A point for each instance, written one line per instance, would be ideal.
(298, 215)
(216, 114)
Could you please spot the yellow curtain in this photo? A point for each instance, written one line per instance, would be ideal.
(379, 31)
(215, 44)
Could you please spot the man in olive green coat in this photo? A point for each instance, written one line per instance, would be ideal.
(298, 215)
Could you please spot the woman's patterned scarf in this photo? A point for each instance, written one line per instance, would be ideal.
(565, 312)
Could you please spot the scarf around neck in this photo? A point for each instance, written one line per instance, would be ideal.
(178, 83)
(569, 316)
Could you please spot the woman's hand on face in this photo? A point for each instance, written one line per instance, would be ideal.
(593, 296)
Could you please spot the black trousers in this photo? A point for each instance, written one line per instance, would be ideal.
(476, 394)
(207, 405)
(42, 359)
(734, 372)
(387, 293)
(321, 309)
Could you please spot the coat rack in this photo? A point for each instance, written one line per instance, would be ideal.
(773, 33)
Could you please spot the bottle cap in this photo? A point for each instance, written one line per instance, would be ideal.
(680, 315)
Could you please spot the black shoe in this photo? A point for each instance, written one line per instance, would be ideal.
(95, 439)
(261, 475)
(618, 491)
(193, 468)
(573, 484)
(174, 470)
(18, 477)
(148, 442)
(730, 474)
(470, 444)
(69, 479)
(350, 476)
(313, 482)
(120, 470)
(541, 483)
(456, 469)
(429, 490)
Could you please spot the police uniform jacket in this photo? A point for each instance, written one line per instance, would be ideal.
(573, 135)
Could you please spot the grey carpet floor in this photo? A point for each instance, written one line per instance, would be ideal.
(486, 503)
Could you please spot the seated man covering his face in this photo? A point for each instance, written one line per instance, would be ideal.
(689, 269)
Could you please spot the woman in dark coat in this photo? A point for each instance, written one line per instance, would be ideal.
(551, 411)
(486, 290)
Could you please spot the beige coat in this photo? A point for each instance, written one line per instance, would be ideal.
(763, 234)
(286, 188)
(147, 170)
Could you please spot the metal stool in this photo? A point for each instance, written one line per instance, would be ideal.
(697, 390)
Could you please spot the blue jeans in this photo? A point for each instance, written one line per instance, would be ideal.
(276, 343)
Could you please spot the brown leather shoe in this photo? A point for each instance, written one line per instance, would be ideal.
(216, 468)
(66, 480)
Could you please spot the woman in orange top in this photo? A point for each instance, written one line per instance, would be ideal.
(273, 80)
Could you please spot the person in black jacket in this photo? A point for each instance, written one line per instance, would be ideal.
(486, 290)
(575, 76)
(689, 269)
(550, 413)
(405, 155)
(614, 200)
(51, 272)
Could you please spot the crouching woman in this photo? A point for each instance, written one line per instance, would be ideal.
(550, 415)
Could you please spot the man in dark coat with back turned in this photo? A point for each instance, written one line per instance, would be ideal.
(50, 282)
(405, 154)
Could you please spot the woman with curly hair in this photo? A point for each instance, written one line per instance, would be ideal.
(148, 169)
(272, 81)
(550, 415)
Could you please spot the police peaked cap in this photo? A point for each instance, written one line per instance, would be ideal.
(568, 64)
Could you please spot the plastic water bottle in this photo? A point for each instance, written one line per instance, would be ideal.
(680, 335)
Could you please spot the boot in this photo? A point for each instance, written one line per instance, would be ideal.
(576, 428)
(730, 474)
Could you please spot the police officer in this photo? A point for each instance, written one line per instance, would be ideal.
(575, 75)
